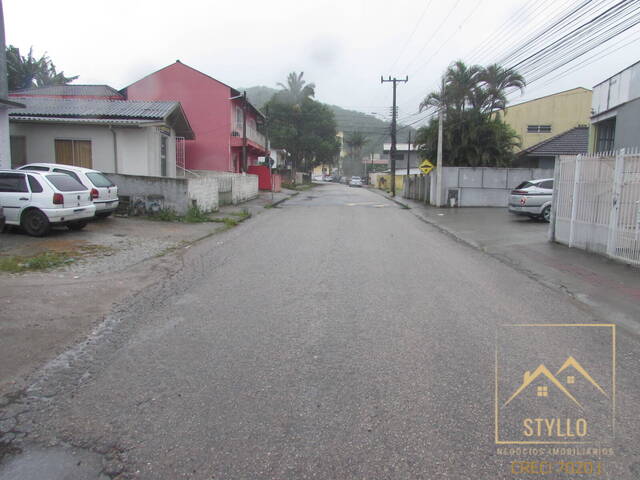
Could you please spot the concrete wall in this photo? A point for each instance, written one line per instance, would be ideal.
(562, 111)
(486, 186)
(153, 193)
(204, 192)
(244, 187)
(150, 194)
(138, 149)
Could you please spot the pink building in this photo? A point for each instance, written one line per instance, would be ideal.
(215, 112)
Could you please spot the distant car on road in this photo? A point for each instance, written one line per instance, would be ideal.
(103, 191)
(355, 182)
(532, 198)
(37, 200)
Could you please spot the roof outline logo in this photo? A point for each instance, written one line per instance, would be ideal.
(542, 370)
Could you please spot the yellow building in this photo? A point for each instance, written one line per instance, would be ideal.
(542, 118)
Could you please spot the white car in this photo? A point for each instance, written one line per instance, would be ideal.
(37, 200)
(355, 182)
(532, 198)
(103, 191)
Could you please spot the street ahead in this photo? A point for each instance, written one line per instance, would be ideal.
(335, 337)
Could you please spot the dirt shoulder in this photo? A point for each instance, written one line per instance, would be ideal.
(44, 312)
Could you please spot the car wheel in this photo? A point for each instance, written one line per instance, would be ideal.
(35, 223)
(79, 225)
(103, 214)
(546, 214)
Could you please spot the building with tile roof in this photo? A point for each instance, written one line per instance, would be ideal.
(114, 136)
(545, 153)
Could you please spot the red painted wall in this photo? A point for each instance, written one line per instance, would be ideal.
(207, 106)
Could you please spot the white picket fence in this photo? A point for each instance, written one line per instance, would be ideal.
(596, 203)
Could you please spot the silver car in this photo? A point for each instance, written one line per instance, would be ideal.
(532, 198)
(355, 182)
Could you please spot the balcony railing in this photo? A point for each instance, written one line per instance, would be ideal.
(253, 135)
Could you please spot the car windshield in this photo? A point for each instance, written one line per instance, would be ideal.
(99, 180)
(65, 183)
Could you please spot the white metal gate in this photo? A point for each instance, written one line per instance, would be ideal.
(180, 155)
(597, 204)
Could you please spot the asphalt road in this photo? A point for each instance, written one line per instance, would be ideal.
(335, 337)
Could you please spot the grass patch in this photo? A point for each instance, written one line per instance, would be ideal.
(300, 188)
(195, 215)
(50, 260)
(165, 215)
(43, 261)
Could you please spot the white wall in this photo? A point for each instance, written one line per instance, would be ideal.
(620, 88)
(5, 153)
(138, 148)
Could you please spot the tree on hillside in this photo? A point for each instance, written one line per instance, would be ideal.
(473, 134)
(27, 72)
(297, 90)
(302, 126)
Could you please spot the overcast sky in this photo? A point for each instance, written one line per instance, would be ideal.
(342, 46)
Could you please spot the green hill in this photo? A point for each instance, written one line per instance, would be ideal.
(347, 120)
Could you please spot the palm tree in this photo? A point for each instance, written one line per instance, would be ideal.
(460, 83)
(496, 81)
(355, 141)
(297, 89)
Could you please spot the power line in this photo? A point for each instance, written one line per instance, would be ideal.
(406, 68)
(411, 34)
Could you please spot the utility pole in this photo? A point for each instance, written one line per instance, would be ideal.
(439, 159)
(406, 182)
(394, 113)
(243, 168)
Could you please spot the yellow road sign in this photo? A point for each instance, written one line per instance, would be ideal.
(426, 166)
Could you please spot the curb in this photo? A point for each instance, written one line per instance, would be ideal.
(275, 204)
(389, 197)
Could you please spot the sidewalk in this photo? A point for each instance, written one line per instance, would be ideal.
(612, 289)
(258, 204)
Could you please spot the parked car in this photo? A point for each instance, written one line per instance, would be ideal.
(36, 200)
(103, 191)
(532, 198)
(355, 182)
(328, 178)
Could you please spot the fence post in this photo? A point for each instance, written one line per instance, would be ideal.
(574, 202)
(618, 177)
(554, 199)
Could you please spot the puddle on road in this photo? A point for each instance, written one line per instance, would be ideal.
(56, 463)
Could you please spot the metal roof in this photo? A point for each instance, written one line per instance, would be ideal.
(96, 111)
(571, 142)
(71, 90)
(82, 121)
(74, 107)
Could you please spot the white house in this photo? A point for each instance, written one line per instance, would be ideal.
(615, 111)
(115, 136)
